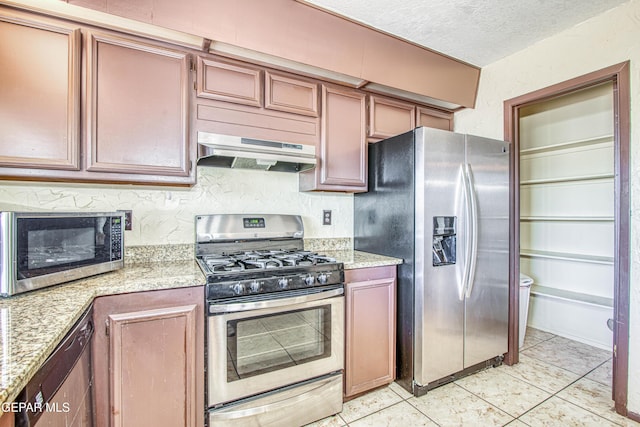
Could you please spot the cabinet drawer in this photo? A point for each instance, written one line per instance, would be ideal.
(225, 81)
(284, 93)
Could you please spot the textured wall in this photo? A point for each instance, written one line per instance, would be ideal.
(607, 39)
(165, 215)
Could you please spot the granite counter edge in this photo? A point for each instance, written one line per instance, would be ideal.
(112, 283)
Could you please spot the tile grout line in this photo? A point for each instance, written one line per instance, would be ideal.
(555, 394)
(552, 394)
(487, 402)
(566, 387)
(380, 410)
(418, 409)
(364, 416)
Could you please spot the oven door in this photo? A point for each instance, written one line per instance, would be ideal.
(257, 345)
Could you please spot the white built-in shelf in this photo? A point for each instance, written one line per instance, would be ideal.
(567, 145)
(568, 218)
(572, 296)
(568, 179)
(565, 256)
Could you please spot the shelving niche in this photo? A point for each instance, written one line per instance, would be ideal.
(567, 218)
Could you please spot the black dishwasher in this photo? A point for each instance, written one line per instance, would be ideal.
(59, 394)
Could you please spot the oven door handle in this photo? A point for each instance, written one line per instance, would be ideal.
(272, 303)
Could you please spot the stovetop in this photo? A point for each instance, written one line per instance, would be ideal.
(266, 271)
(245, 255)
(262, 259)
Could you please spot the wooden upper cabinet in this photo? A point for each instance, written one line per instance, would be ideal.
(434, 118)
(231, 82)
(342, 152)
(137, 109)
(39, 94)
(229, 101)
(289, 94)
(390, 117)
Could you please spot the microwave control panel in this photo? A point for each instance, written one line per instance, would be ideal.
(116, 238)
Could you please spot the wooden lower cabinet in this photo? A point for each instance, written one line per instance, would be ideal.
(370, 325)
(7, 419)
(149, 359)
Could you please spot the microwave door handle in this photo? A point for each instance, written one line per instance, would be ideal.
(272, 303)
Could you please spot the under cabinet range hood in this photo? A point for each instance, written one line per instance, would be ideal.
(235, 152)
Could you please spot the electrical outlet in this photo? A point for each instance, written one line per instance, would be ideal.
(326, 217)
(128, 219)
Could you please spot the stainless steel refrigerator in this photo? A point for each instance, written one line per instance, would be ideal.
(440, 201)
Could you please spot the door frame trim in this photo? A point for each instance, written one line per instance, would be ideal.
(619, 75)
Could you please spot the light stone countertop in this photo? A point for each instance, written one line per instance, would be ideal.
(358, 259)
(33, 324)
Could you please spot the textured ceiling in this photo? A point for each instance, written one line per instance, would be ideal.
(475, 31)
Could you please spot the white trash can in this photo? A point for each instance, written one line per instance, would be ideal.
(525, 290)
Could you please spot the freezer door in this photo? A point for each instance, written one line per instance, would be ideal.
(487, 302)
(439, 308)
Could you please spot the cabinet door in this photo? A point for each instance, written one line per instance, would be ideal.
(39, 95)
(370, 325)
(231, 82)
(342, 152)
(389, 117)
(137, 108)
(7, 419)
(149, 358)
(434, 119)
(292, 95)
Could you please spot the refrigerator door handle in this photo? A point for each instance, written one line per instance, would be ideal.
(464, 214)
(472, 230)
(467, 232)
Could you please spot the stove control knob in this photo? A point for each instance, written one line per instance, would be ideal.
(255, 286)
(322, 278)
(309, 280)
(238, 289)
(283, 283)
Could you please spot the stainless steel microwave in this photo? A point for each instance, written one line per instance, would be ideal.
(43, 249)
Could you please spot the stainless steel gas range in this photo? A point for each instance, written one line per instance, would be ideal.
(275, 322)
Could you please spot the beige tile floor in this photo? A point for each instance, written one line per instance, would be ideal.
(558, 382)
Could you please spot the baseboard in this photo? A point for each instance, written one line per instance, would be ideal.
(633, 416)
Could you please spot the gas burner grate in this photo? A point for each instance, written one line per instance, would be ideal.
(269, 259)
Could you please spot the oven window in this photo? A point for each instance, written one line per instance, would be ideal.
(264, 344)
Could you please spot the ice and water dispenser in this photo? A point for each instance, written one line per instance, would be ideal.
(444, 240)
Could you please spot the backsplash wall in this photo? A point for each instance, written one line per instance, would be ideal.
(165, 215)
